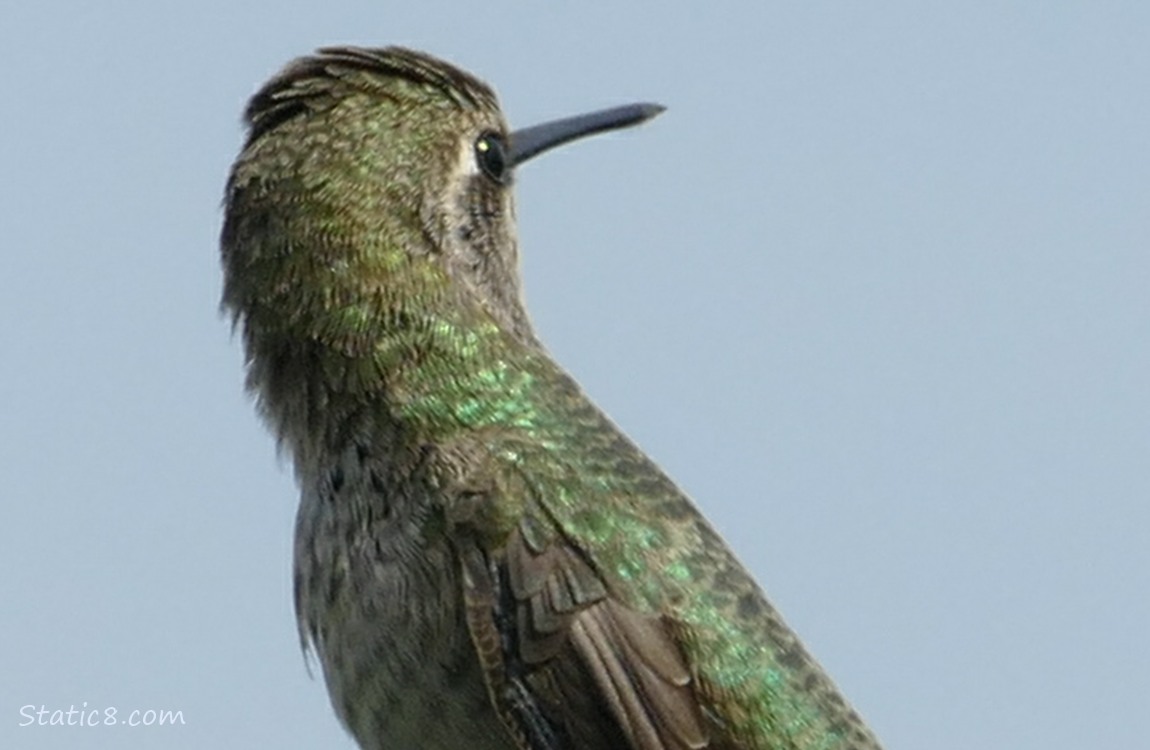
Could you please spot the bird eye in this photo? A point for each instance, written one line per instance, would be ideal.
(491, 154)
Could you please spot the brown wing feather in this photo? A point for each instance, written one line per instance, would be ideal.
(598, 674)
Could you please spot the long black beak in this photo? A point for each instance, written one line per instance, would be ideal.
(535, 140)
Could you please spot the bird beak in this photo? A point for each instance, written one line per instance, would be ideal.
(529, 142)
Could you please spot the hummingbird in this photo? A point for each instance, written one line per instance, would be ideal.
(482, 559)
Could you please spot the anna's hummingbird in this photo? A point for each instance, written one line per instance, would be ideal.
(482, 559)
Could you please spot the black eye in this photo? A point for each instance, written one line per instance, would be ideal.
(491, 153)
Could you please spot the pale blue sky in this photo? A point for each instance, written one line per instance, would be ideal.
(874, 290)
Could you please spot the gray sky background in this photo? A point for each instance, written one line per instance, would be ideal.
(874, 290)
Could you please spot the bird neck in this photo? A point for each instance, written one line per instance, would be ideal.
(422, 377)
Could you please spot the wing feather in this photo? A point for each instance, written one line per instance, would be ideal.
(571, 656)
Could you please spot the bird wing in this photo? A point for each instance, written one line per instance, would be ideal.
(600, 600)
(567, 664)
